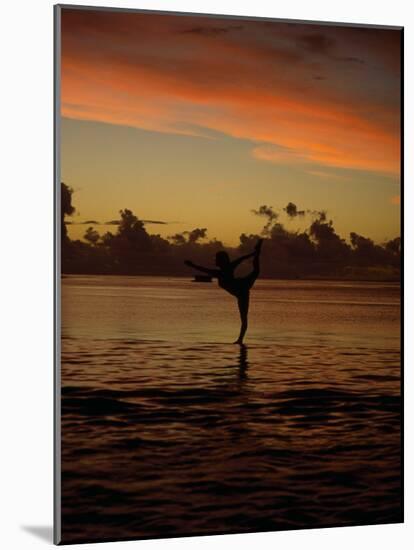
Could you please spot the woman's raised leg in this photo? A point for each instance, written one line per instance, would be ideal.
(250, 279)
(256, 257)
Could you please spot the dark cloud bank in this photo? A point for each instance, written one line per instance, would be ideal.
(316, 253)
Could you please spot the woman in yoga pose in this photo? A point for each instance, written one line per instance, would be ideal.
(238, 287)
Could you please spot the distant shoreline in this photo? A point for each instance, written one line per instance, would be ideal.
(188, 277)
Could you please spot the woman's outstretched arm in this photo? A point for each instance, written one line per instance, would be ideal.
(211, 272)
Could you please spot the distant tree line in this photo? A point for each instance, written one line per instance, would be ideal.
(317, 252)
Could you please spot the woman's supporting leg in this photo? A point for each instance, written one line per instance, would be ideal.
(243, 303)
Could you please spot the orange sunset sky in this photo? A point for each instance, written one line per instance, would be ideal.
(194, 121)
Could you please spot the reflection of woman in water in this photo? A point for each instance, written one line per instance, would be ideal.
(238, 287)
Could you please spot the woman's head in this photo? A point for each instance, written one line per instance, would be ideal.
(222, 259)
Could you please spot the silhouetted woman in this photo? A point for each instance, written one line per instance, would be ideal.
(236, 286)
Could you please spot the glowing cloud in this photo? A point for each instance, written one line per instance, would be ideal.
(299, 93)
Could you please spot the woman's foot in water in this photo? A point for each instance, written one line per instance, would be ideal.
(239, 342)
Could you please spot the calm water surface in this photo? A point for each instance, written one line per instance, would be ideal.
(168, 429)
